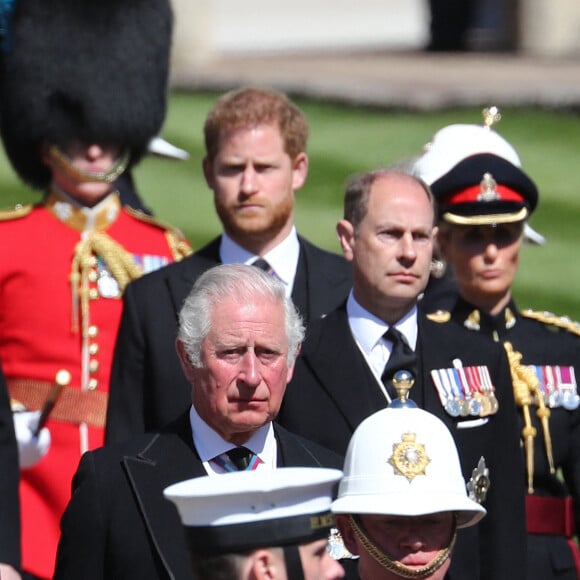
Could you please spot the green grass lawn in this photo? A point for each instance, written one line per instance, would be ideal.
(347, 140)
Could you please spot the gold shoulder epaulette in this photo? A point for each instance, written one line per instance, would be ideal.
(549, 318)
(16, 212)
(148, 219)
(440, 316)
(179, 245)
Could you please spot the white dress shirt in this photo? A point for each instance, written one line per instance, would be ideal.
(368, 331)
(210, 444)
(283, 259)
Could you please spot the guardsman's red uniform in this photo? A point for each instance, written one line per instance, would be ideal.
(62, 271)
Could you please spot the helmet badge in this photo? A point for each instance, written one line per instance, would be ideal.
(409, 457)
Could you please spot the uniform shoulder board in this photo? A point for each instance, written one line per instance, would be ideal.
(144, 217)
(549, 318)
(16, 212)
(440, 316)
(179, 245)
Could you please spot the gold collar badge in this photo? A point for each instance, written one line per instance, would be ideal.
(510, 319)
(409, 457)
(473, 320)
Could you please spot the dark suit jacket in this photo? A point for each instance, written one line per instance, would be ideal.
(9, 502)
(148, 388)
(119, 526)
(333, 390)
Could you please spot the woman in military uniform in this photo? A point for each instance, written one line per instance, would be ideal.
(484, 200)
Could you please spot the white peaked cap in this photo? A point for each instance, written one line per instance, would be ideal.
(403, 462)
(454, 143)
(249, 509)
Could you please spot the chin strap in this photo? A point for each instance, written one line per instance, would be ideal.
(396, 567)
(293, 563)
(64, 164)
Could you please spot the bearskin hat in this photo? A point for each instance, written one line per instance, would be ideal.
(91, 70)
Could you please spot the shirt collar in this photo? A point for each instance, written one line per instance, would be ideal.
(79, 217)
(283, 259)
(210, 444)
(368, 330)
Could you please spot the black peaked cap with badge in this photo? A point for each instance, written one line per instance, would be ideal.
(92, 70)
(485, 189)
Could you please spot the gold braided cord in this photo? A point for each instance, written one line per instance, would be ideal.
(554, 320)
(178, 245)
(118, 260)
(523, 399)
(543, 412)
(396, 567)
(525, 384)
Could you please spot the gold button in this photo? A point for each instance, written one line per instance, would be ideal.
(93, 276)
(93, 331)
(93, 384)
(93, 293)
(93, 348)
(93, 365)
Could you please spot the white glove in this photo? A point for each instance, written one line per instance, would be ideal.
(31, 449)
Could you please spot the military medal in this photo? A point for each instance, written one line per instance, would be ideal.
(336, 547)
(469, 389)
(465, 391)
(107, 285)
(150, 262)
(452, 407)
(557, 385)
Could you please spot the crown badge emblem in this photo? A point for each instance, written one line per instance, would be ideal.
(409, 457)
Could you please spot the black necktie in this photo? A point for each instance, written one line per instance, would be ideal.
(403, 357)
(240, 457)
(263, 265)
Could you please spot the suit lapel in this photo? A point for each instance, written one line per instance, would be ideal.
(320, 284)
(191, 268)
(290, 452)
(336, 360)
(168, 458)
(300, 292)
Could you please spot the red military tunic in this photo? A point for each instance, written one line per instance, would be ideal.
(47, 324)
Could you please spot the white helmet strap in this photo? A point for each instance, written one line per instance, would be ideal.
(396, 567)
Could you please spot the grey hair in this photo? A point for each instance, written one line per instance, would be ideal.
(247, 284)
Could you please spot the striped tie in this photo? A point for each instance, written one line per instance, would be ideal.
(240, 457)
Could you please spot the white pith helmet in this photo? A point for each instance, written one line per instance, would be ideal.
(403, 462)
